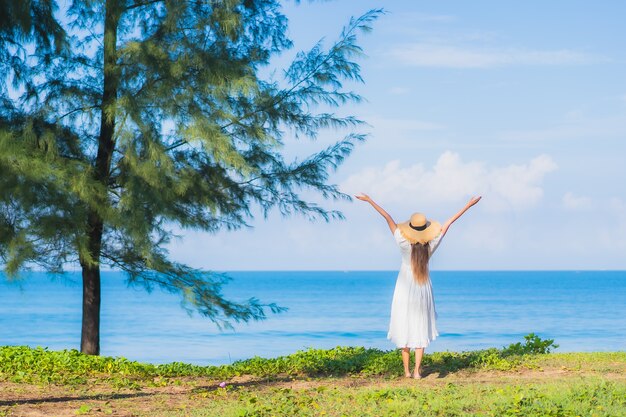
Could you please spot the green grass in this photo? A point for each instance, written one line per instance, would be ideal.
(593, 397)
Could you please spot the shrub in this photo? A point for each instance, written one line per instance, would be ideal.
(534, 345)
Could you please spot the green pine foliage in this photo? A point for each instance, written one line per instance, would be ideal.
(132, 117)
(22, 24)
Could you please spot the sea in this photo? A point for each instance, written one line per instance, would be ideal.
(580, 310)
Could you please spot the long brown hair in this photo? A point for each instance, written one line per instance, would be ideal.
(419, 262)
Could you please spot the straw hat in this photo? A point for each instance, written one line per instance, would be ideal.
(419, 229)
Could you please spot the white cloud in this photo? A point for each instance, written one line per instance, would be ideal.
(574, 202)
(519, 185)
(451, 56)
(451, 179)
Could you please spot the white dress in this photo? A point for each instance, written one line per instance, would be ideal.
(413, 312)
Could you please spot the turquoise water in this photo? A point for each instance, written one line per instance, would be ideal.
(582, 311)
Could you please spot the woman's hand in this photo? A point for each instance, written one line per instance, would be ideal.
(364, 197)
(454, 218)
(473, 201)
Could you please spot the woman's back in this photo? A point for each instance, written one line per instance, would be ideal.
(413, 311)
(405, 246)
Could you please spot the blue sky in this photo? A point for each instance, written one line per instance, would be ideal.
(521, 102)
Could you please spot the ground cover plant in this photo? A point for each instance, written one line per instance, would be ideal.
(522, 379)
(39, 365)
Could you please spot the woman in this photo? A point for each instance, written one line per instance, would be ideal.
(412, 324)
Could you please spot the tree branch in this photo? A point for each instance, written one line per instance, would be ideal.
(142, 4)
(288, 92)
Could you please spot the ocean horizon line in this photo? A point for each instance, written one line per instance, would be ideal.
(222, 271)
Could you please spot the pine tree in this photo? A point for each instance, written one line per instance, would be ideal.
(150, 114)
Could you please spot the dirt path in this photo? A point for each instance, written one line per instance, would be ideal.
(103, 400)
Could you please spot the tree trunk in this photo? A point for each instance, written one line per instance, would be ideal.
(90, 335)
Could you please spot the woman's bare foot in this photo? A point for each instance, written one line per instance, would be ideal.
(407, 375)
(417, 374)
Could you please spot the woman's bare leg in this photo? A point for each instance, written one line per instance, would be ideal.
(406, 356)
(419, 352)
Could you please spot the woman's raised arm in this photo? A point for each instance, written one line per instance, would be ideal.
(392, 225)
(454, 218)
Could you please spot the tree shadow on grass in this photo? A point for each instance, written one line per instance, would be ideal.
(357, 362)
(258, 382)
(445, 365)
(372, 362)
(62, 399)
